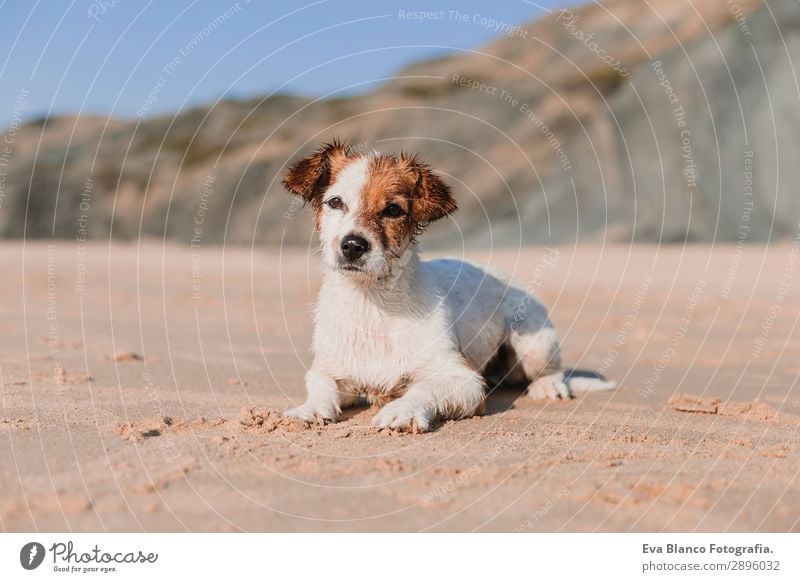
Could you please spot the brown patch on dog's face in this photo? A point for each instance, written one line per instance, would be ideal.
(399, 195)
(310, 177)
(385, 205)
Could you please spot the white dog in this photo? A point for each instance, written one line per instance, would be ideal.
(416, 336)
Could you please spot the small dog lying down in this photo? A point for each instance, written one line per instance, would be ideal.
(416, 336)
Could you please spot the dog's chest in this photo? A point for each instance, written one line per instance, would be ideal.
(365, 345)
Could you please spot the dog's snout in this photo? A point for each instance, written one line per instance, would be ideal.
(354, 246)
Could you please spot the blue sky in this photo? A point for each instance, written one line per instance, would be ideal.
(137, 58)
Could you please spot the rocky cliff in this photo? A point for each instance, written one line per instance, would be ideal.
(662, 121)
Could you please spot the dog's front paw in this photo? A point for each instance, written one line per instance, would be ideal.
(404, 415)
(311, 412)
(551, 387)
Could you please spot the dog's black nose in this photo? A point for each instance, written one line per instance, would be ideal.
(354, 246)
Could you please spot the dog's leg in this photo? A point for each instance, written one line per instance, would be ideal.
(444, 394)
(539, 354)
(324, 399)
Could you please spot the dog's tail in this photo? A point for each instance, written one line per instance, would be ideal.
(587, 381)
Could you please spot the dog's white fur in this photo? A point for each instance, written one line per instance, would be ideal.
(419, 334)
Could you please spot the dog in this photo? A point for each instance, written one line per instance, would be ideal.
(419, 338)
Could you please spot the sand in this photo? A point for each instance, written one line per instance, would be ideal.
(141, 390)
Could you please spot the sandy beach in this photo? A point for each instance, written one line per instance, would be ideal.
(142, 387)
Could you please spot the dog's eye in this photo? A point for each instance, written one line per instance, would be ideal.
(335, 203)
(393, 211)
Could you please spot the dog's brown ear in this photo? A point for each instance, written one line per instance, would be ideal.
(309, 177)
(432, 198)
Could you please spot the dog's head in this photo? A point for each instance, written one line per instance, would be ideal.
(368, 206)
